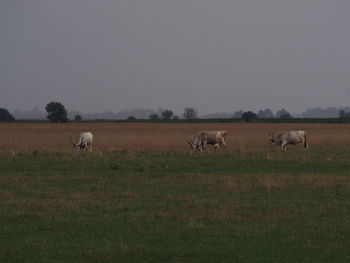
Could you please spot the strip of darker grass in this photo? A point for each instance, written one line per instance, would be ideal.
(175, 207)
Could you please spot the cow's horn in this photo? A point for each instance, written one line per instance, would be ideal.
(73, 144)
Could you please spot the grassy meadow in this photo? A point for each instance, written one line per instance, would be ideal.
(141, 196)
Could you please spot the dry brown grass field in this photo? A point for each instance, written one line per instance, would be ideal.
(157, 136)
(156, 203)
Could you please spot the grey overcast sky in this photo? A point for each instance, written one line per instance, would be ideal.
(220, 55)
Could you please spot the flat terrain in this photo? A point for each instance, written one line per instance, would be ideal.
(135, 199)
(157, 136)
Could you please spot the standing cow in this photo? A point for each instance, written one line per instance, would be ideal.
(289, 137)
(202, 138)
(85, 141)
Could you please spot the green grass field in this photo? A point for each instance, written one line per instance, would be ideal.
(253, 206)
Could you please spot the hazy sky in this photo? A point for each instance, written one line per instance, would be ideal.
(220, 55)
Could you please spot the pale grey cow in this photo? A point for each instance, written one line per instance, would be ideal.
(289, 137)
(85, 141)
(202, 138)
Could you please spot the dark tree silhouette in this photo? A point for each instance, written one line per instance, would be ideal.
(56, 112)
(78, 117)
(283, 114)
(249, 115)
(166, 115)
(190, 113)
(5, 115)
(131, 118)
(154, 116)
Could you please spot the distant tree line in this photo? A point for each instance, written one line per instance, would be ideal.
(190, 113)
(56, 112)
(344, 115)
(262, 114)
(329, 112)
(164, 115)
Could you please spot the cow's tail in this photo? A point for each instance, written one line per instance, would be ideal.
(306, 146)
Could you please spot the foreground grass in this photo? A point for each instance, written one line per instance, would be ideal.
(174, 207)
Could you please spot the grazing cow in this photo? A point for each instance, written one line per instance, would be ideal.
(201, 139)
(85, 140)
(289, 137)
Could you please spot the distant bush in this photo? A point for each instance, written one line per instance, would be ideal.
(131, 118)
(283, 114)
(166, 115)
(265, 114)
(78, 118)
(154, 116)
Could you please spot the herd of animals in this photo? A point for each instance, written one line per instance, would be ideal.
(215, 138)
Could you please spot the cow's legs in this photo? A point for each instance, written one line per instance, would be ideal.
(284, 147)
(306, 145)
(200, 147)
(223, 143)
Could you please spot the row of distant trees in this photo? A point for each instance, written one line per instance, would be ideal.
(283, 114)
(58, 113)
(263, 114)
(344, 115)
(190, 113)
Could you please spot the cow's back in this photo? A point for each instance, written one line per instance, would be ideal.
(295, 136)
(86, 137)
(210, 137)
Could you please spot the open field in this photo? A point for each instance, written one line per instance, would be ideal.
(157, 136)
(136, 200)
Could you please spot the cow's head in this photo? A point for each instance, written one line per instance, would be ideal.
(76, 147)
(272, 140)
(192, 145)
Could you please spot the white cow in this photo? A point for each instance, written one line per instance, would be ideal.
(202, 138)
(85, 141)
(289, 137)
